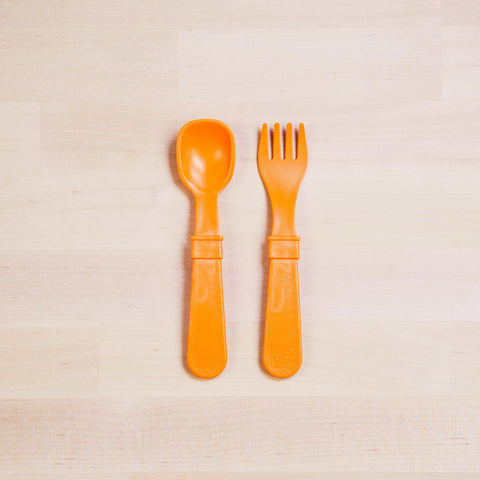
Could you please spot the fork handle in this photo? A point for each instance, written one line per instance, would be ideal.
(207, 349)
(282, 347)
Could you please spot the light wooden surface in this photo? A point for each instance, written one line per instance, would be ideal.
(95, 225)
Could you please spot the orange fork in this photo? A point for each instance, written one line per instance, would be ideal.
(282, 347)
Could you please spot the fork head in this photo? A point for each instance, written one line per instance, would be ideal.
(282, 176)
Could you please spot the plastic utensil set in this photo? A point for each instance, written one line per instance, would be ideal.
(205, 160)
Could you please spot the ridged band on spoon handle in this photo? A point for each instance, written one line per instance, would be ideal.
(207, 349)
(282, 348)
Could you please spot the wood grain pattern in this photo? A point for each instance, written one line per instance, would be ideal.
(345, 61)
(95, 251)
(303, 476)
(183, 435)
(241, 476)
(125, 286)
(69, 360)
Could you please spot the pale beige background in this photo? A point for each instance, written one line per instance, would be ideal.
(94, 239)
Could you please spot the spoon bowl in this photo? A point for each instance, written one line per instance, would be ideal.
(205, 156)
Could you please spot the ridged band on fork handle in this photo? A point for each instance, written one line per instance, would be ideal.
(207, 349)
(282, 347)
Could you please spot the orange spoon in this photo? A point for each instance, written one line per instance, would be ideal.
(205, 160)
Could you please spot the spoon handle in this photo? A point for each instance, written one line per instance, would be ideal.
(207, 349)
(282, 346)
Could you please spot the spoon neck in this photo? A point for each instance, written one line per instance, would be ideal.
(206, 214)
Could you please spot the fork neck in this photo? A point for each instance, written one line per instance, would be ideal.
(283, 219)
(206, 214)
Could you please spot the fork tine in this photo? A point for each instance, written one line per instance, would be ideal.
(302, 153)
(263, 145)
(289, 142)
(276, 141)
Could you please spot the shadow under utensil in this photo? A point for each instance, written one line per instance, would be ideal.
(187, 260)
